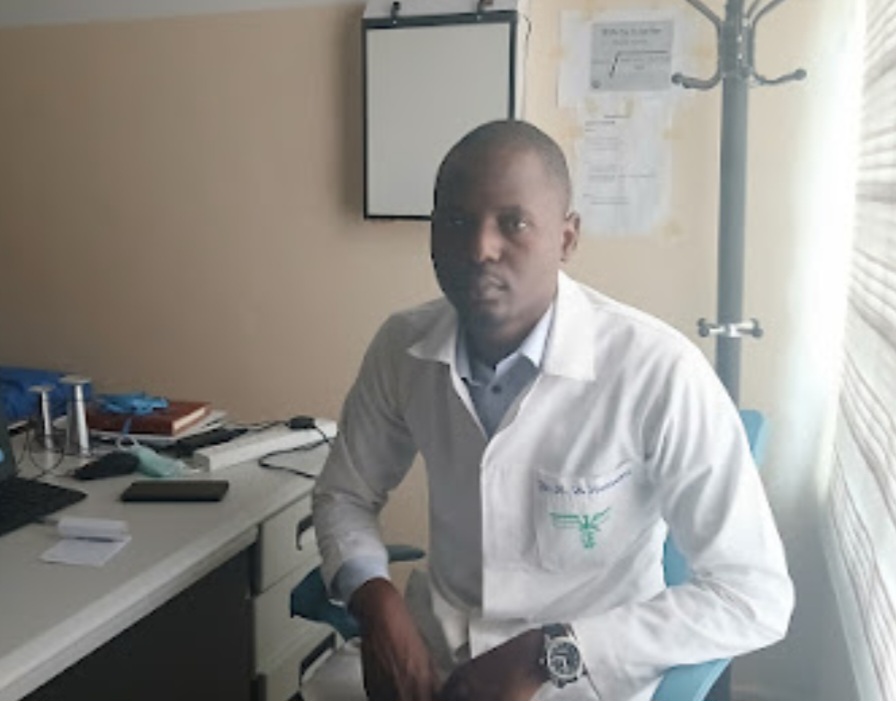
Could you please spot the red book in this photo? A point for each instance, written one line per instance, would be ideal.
(178, 416)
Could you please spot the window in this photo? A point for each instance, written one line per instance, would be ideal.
(861, 506)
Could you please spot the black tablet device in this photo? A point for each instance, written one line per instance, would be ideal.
(176, 490)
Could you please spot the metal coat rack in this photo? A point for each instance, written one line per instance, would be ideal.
(736, 71)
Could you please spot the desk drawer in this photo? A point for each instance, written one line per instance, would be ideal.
(285, 541)
(275, 629)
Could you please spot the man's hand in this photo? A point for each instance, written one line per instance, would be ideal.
(509, 672)
(397, 663)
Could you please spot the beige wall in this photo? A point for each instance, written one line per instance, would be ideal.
(180, 213)
(670, 271)
(181, 208)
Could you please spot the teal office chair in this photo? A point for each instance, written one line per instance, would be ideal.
(337, 677)
(309, 599)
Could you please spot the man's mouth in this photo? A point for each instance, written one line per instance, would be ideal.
(484, 287)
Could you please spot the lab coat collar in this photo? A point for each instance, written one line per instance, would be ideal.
(570, 344)
(439, 341)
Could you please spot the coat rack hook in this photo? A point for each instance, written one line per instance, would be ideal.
(482, 6)
(700, 83)
(760, 79)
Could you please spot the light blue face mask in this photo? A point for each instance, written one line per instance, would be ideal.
(151, 463)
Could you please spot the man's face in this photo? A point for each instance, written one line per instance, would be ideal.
(500, 231)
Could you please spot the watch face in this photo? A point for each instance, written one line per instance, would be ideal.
(564, 661)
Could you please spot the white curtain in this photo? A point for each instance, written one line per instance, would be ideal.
(861, 500)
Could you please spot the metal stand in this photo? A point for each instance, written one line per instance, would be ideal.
(44, 428)
(736, 70)
(77, 438)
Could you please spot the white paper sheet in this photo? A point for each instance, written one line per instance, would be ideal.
(631, 56)
(615, 76)
(635, 52)
(80, 551)
(621, 163)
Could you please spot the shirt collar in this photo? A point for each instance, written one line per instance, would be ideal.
(532, 348)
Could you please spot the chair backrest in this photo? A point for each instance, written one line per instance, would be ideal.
(693, 682)
(309, 598)
(675, 569)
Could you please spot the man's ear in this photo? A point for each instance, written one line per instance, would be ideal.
(570, 236)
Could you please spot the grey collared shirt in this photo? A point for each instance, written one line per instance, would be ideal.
(493, 390)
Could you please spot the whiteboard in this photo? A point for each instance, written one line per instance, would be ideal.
(426, 84)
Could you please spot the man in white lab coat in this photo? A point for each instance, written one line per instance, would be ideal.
(563, 434)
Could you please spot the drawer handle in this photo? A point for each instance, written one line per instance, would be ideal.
(304, 525)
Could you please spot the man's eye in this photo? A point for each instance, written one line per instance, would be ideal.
(513, 224)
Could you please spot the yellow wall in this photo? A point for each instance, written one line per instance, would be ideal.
(180, 212)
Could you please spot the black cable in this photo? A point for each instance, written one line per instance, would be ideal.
(326, 438)
(257, 426)
(26, 430)
(297, 423)
(284, 468)
(263, 461)
(59, 453)
(28, 449)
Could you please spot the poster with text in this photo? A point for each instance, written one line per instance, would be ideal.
(616, 79)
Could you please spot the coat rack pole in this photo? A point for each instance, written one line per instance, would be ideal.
(736, 70)
(732, 196)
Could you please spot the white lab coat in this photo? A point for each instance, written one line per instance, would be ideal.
(561, 516)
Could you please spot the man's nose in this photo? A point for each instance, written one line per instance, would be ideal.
(486, 241)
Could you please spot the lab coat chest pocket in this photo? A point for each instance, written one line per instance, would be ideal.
(582, 522)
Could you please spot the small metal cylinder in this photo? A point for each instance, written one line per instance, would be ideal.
(77, 438)
(44, 427)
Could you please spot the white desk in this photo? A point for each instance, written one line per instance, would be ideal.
(52, 615)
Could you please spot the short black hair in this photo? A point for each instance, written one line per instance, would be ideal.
(514, 134)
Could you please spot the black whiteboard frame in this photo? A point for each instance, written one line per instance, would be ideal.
(508, 17)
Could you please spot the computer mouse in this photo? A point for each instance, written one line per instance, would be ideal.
(118, 462)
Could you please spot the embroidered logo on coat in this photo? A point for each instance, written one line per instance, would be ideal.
(588, 526)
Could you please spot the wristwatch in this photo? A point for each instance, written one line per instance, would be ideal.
(561, 657)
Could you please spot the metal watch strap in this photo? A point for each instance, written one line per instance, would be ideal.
(554, 630)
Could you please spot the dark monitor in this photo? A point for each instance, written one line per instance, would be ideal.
(7, 458)
(24, 501)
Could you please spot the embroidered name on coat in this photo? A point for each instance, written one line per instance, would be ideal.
(582, 489)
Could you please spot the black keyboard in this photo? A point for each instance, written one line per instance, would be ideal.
(23, 501)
